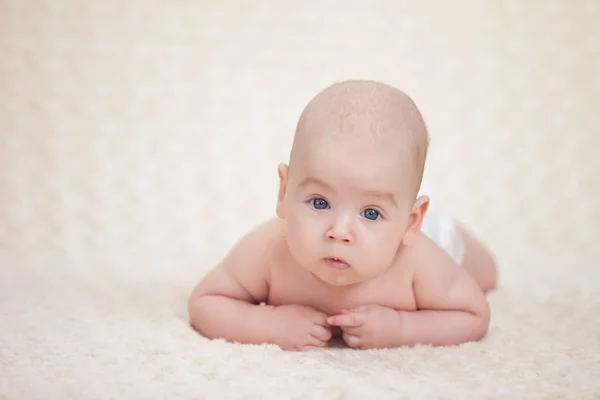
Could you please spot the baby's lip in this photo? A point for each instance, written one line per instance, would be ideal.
(336, 263)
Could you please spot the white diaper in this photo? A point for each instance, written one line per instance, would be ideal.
(441, 228)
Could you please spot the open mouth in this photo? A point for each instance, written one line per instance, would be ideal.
(336, 263)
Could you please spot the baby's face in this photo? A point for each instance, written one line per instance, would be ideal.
(346, 210)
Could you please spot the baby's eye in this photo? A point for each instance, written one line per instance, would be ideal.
(371, 214)
(319, 203)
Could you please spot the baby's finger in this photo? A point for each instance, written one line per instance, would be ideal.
(321, 319)
(351, 340)
(321, 333)
(352, 330)
(352, 319)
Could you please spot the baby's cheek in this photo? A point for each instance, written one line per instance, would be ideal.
(384, 254)
(299, 239)
(303, 230)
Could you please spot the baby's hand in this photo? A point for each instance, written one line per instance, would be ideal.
(299, 328)
(369, 327)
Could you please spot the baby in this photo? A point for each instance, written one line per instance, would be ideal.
(357, 251)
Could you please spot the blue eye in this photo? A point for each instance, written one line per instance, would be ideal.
(371, 214)
(319, 203)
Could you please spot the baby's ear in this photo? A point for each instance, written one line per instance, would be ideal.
(282, 171)
(415, 221)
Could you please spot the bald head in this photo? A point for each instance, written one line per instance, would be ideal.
(369, 112)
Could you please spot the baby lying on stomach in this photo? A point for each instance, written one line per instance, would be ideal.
(356, 251)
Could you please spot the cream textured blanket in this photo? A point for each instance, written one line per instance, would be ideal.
(139, 140)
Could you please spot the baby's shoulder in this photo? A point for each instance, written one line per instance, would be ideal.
(268, 235)
(244, 272)
(415, 259)
(259, 245)
(429, 266)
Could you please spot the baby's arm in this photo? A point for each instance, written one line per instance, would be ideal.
(452, 308)
(225, 303)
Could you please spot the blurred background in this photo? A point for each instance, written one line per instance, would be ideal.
(142, 137)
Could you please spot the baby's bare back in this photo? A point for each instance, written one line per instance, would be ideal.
(289, 283)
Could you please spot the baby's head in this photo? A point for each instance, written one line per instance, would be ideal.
(349, 195)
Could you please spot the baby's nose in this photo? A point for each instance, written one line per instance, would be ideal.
(341, 236)
(340, 231)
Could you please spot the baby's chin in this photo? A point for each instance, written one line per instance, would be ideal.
(337, 278)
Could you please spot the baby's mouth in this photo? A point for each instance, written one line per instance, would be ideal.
(336, 263)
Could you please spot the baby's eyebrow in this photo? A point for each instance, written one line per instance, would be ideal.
(383, 195)
(315, 181)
